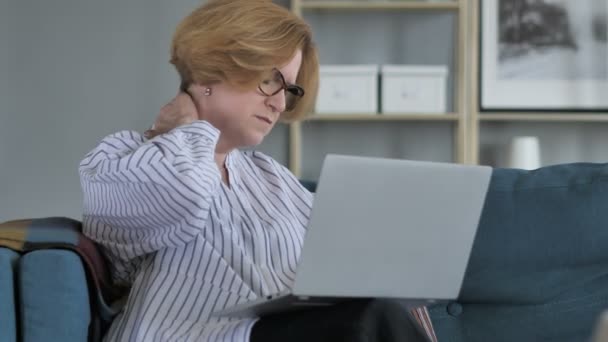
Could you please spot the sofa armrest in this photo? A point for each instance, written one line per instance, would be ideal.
(54, 297)
(8, 320)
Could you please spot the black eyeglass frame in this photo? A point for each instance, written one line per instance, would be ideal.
(293, 89)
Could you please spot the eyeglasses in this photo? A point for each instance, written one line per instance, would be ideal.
(275, 83)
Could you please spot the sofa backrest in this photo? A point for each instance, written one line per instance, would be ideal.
(539, 265)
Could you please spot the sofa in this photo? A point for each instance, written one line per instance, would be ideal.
(538, 270)
(43, 296)
(54, 283)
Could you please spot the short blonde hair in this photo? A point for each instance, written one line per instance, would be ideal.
(239, 41)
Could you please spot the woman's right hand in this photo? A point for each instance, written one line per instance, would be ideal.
(180, 111)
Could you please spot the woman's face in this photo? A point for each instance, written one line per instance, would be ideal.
(244, 118)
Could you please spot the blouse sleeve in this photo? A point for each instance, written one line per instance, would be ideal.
(143, 195)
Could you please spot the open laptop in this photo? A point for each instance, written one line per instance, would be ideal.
(383, 228)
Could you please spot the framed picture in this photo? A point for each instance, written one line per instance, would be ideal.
(544, 55)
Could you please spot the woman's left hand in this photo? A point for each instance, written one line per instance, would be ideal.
(178, 112)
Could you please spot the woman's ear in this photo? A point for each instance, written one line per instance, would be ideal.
(198, 93)
(196, 90)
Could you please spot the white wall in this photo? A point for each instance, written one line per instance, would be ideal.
(72, 71)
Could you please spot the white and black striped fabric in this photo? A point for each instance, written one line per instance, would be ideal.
(185, 242)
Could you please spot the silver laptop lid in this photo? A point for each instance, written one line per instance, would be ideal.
(391, 228)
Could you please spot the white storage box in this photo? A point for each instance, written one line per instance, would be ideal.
(348, 89)
(414, 89)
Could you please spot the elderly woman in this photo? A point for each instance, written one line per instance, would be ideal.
(188, 221)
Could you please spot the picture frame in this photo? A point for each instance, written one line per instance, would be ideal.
(543, 55)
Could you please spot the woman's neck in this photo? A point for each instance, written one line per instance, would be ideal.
(222, 149)
(220, 160)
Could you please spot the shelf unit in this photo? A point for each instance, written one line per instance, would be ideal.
(385, 117)
(536, 117)
(381, 5)
(472, 129)
(458, 119)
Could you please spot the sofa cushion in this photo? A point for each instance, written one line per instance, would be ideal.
(54, 298)
(539, 265)
(8, 320)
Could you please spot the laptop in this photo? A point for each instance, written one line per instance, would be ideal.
(383, 228)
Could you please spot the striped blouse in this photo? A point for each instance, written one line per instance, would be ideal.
(187, 243)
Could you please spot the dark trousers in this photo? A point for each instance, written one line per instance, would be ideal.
(353, 321)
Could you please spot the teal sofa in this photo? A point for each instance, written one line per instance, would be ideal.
(54, 283)
(44, 297)
(538, 270)
(539, 265)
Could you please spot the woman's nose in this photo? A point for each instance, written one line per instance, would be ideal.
(277, 102)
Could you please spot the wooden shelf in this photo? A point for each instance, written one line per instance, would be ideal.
(457, 120)
(380, 5)
(540, 117)
(384, 117)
